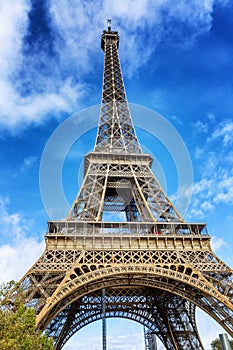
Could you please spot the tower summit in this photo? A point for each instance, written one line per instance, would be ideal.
(154, 267)
(109, 35)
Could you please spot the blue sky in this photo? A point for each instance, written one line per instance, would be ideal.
(176, 58)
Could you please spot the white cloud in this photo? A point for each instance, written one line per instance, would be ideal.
(177, 120)
(215, 184)
(229, 157)
(217, 243)
(198, 152)
(27, 163)
(224, 132)
(224, 197)
(21, 251)
(76, 28)
(160, 98)
(211, 191)
(13, 225)
(211, 117)
(18, 111)
(13, 15)
(211, 163)
(207, 206)
(225, 189)
(16, 259)
(200, 127)
(203, 185)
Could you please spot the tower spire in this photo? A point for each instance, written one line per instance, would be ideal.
(116, 133)
(109, 25)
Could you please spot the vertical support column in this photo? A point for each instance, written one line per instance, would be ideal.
(225, 342)
(150, 340)
(104, 328)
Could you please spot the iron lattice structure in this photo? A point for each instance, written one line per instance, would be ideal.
(150, 340)
(154, 267)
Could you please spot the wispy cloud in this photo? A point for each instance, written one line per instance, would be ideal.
(200, 127)
(217, 243)
(13, 225)
(13, 26)
(225, 193)
(208, 192)
(224, 132)
(21, 251)
(48, 48)
(28, 163)
(16, 259)
(177, 120)
(29, 86)
(215, 183)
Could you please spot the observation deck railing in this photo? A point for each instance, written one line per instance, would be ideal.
(93, 228)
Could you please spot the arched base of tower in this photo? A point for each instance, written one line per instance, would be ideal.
(168, 316)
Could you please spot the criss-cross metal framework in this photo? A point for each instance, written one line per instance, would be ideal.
(150, 339)
(153, 266)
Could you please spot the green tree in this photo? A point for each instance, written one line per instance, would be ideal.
(17, 322)
(216, 344)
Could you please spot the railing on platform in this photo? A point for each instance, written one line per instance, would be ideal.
(83, 228)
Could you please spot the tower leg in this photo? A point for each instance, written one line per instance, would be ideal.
(179, 315)
(104, 330)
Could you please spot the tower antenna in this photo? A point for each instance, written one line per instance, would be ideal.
(109, 25)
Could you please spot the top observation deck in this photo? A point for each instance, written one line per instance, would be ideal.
(109, 36)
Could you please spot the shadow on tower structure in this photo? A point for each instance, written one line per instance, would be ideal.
(155, 268)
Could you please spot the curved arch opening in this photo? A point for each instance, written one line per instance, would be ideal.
(122, 334)
(163, 289)
(127, 334)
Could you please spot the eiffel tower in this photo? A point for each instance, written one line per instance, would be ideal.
(154, 267)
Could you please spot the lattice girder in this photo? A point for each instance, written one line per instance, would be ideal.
(63, 275)
(217, 311)
(145, 306)
(105, 183)
(60, 275)
(111, 273)
(115, 131)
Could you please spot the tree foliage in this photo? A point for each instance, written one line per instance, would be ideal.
(216, 344)
(17, 322)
